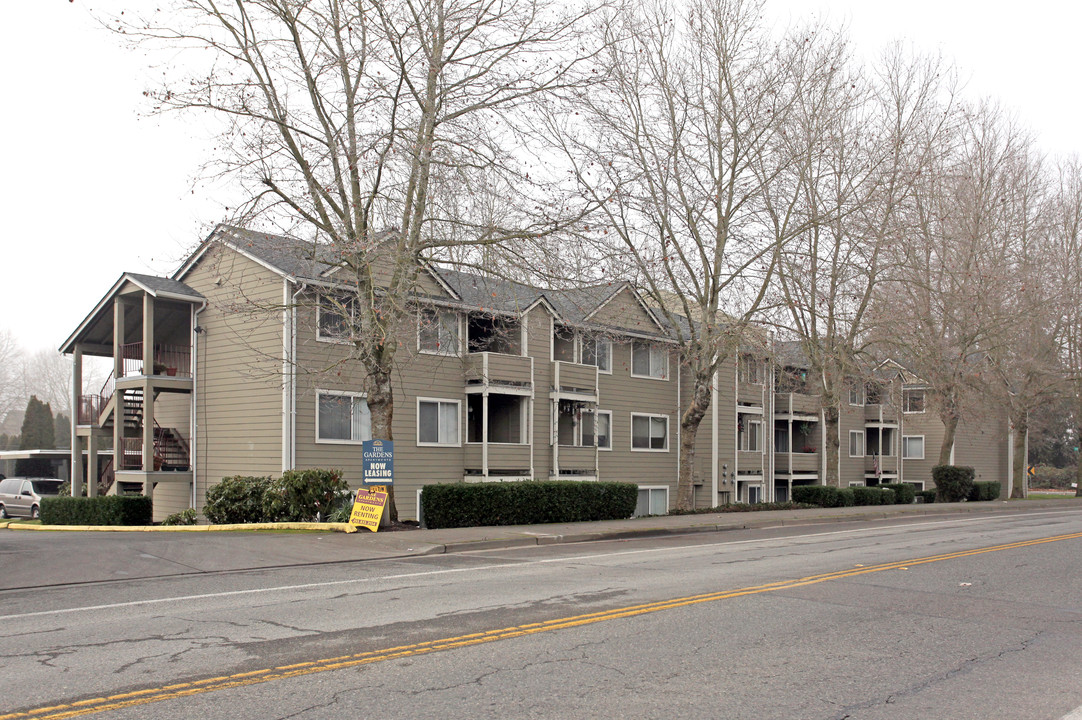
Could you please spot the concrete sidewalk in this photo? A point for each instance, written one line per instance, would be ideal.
(43, 558)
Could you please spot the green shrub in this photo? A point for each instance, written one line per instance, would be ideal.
(102, 510)
(525, 503)
(184, 517)
(303, 495)
(846, 497)
(928, 496)
(236, 499)
(984, 491)
(953, 483)
(875, 495)
(820, 495)
(904, 493)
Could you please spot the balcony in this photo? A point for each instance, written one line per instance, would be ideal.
(749, 460)
(579, 460)
(880, 413)
(888, 464)
(506, 371)
(796, 403)
(503, 458)
(574, 379)
(749, 392)
(798, 462)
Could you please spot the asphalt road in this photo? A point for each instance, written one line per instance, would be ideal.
(974, 617)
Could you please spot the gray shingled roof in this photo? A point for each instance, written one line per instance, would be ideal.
(164, 285)
(303, 260)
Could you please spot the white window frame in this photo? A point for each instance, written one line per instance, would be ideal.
(651, 416)
(655, 351)
(335, 441)
(752, 370)
(905, 447)
(596, 413)
(853, 434)
(745, 435)
(352, 320)
(597, 342)
(905, 401)
(458, 421)
(650, 489)
(439, 313)
(856, 395)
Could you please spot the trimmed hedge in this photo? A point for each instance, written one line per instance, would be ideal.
(904, 493)
(527, 502)
(872, 496)
(984, 491)
(107, 510)
(236, 499)
(953, 483)
(824, 495)
(927, 495)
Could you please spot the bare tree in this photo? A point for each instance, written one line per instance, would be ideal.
(376, 129)
(866, 139)
(679, 148)
(945, 312)
(1065, 235)
(11, 392)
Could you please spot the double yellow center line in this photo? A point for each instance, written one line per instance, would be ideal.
(281, 672)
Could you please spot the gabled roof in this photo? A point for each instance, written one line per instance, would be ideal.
(283, 255)
(159, 287)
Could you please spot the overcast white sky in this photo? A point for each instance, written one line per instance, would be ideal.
(90, 188)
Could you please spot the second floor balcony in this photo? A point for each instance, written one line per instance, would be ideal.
(496, 369)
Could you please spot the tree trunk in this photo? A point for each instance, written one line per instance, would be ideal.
(950, 428)
(689, 431)
(831, 444)
(381, 406)
(1021, 462)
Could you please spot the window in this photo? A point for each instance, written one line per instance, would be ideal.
(751, 434)
(597, 352)
(913, 401)
(335, 317)
(912, 447)
(873, 394)
(856, 443)
(649, 361)
(342, 417)
(751, 370)
(649, 432)
(856, 395)
(437, 332)
(597, 425)
(652, 501)
(437, 422)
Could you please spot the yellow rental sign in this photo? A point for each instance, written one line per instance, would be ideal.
(367, 509)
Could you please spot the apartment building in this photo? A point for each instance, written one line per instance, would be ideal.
(237, 365)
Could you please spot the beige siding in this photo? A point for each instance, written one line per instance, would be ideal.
(623, 395)
(625, 311)
(539, 346)
(982, 442)
(239, 360)
(727, 433)
(850, 418)
(929, 426)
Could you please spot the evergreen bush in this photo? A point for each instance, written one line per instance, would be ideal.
(236, 499)
(904, 493)
(102, 510)
(525, 503)
(303, 495)
(984, 491)
(953, 483)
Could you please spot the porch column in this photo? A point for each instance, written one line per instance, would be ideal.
(119, 411)
(148, 391)
(92, 466)
(76, 407)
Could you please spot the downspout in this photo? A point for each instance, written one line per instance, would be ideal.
(289, 383)
(679, 423)
(194, 411)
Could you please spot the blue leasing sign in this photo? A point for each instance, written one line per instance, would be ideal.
(377, 462)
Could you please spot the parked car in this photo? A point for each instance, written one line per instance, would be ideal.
(21, 497)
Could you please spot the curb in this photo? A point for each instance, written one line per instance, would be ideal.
(327, 527)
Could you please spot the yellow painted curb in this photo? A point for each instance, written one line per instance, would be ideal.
(329, 527)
